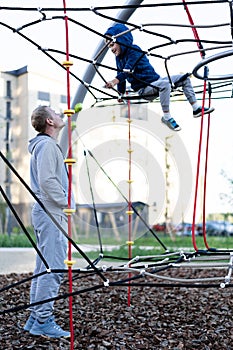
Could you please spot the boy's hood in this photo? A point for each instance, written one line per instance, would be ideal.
(126, 38)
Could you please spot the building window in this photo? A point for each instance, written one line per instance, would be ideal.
(63, 99)
(63, 103)
(8, 88)
(43, 98)
(8, 110)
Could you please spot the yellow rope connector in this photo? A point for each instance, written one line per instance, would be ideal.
(129, 212)
(130, 242)
(69, 161)
(129, 181)
(69, 112)
(69, 211)
(67, 64)
(129, 120)
(130, 150)
(69, 263)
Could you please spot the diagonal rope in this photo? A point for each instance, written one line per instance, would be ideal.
(124, 197)
(51, 216)
(22, 226)
(93, 203)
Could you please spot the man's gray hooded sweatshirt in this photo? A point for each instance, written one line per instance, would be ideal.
(49, 178)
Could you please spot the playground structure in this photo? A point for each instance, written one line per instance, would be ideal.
(137, 268)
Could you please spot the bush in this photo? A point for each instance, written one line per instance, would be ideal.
(19, 240)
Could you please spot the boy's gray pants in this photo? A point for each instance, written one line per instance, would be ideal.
(52, 244)
(163, 87)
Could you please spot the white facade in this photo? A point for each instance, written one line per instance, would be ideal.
(21, 91)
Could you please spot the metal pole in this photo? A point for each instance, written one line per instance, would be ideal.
(79, 97)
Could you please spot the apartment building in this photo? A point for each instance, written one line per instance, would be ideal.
(22, 90)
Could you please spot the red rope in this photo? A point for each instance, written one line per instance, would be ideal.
(69, 182)
(195, 33)
(197, 172)
(129, 199)
(202, 53)
(205, 183)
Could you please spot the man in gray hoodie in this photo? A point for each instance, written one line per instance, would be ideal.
(49, 182)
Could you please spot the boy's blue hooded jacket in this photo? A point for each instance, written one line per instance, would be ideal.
(133, 59)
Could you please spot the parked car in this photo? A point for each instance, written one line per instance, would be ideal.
(217, 228)
(185, 229)
(159, 227)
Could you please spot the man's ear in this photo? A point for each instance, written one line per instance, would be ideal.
(50, 121)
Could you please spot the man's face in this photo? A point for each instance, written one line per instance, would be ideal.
(115, 48)
(58, 122)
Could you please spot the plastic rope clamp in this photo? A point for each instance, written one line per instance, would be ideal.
(69, 112)
(106, 283)
(130, 242)
(69, 161)
(69, 263)
(130, 181)
(69, 211)
(67, 63)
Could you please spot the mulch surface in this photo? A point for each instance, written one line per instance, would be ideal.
(157, 318)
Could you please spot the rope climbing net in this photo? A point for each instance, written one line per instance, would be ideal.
(168, 43)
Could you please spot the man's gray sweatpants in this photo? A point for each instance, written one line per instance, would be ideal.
(53, 245)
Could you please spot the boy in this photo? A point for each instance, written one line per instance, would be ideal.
(133, 66)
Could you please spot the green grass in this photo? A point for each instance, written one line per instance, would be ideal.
(145, 245)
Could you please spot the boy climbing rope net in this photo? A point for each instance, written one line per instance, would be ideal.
(133, 66)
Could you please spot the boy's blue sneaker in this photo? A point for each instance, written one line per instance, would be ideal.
(28, 325)
(198, 112)
(49, 329)
(171, 123)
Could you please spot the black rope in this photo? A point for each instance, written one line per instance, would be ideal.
(231, 16)
(23, 227)
(93, 203)
(50, 215)
(115, 7)
(123, 196)
(116, 284)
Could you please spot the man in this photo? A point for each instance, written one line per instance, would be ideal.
(49, 182)
(133, 66)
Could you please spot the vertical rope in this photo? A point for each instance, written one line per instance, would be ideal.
(205, 175)
(197, 172)
(130, 211)
(202, 53)
(69, 161)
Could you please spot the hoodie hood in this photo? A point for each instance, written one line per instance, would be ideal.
(126, 39)
(40, 138)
